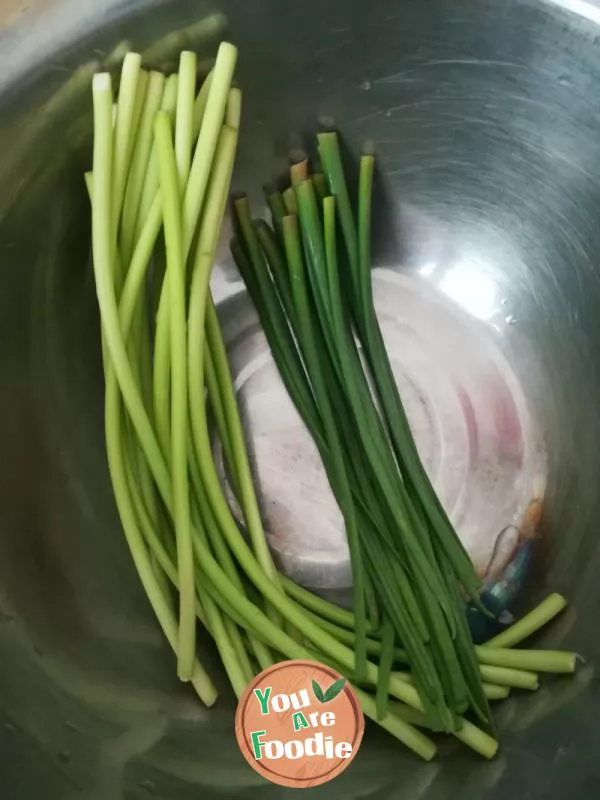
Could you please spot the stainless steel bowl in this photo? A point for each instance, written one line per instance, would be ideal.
(485, 116)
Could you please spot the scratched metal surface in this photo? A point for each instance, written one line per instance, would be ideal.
(485, 118)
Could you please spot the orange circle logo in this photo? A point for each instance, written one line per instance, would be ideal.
(299, 724)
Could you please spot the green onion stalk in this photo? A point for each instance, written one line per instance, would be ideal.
(388, 559)
(292, 275)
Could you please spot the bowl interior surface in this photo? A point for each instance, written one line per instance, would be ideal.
(485, 120)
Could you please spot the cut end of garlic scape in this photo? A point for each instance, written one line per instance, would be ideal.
(101, 82)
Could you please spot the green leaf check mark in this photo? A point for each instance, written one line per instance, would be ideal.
(329, 694)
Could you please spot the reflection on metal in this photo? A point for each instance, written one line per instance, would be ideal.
(472, 287)
(507, 568)
(551, 698)
(163, 53)
(589, 9)
(115, 756)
